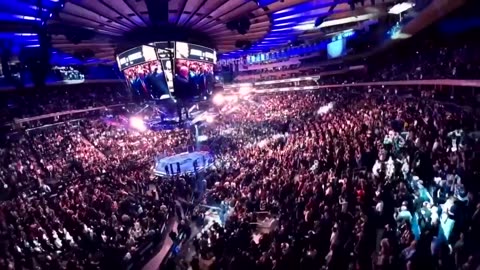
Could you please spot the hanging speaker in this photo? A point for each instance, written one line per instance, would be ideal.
(157, 11)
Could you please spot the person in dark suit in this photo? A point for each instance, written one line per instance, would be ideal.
(182, 83)
(136, 84)
(157, 83)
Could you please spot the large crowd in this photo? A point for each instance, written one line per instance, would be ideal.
(354, 178)
(368, 184)
(424, 61)
(81, 194)
(60, 98)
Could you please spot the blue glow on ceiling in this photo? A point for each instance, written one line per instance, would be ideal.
(284, 22)
(306, 7)
(283, 11)
(33, 13)
(62, 59)
(59, 58)
(28, 9)
(264, 3)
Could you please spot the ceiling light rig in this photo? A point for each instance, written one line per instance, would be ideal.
(320, 19)
(56, 10)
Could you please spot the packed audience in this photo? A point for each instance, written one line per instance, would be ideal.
(81, 194)
(426, 61)
(374, 182)
(31, 102)
(357, 178)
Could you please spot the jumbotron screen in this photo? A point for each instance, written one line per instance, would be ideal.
(148, 79)
(162, 69)
(195, 52)
(193, 78)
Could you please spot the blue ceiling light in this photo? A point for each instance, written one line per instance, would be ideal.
(287, 17)
(282, 29)
(28, 12)
(305, 26)
(62, 59)
(275, 38)
(28, 18)
(285, 24)
(282, 11)
(37, 8)
(264, 3)
(272, 41)
(307, 14)
(26, 34)
(20, 9)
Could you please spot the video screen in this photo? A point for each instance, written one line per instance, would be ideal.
(193, 78)
(148, 79)
(168, 71)
(163, 48)
(152, 73)
(136, 56)
(69, 75)
(194, 52)
(336, 48)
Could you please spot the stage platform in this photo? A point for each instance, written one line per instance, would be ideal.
(183, 163)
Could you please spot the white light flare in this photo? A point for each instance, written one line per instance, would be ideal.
(243, 91)
(325, 109)
(137, 123)
(209, 119)
(218, 99)
(400, 8)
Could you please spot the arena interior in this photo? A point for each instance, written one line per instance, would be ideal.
(239, 134)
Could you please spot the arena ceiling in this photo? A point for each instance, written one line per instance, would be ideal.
(100, 26)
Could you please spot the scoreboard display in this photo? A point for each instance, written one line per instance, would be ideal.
(190, 51)
(136, 56)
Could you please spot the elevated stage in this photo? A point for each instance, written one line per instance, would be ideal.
(183, 163)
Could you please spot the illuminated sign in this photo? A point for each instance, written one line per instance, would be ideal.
(345, 34)
(136, 56)
(163, 49)
(131, 57)
(195, 52)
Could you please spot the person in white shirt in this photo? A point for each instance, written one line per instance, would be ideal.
(377, 168)
(457, 139)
